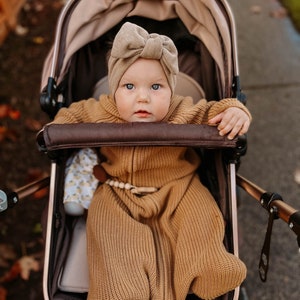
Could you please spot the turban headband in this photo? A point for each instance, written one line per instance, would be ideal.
(133, 42)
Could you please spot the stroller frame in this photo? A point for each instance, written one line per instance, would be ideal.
(51, 102)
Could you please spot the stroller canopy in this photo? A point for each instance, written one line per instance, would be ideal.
(90, 19)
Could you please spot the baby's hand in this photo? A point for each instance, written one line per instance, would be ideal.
(232, 121)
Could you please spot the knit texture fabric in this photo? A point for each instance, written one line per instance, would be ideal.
(164, 244)
(133, 42)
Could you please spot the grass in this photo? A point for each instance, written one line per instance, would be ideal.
(293, 7)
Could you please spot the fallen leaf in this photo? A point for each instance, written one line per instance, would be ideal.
(33, 125)
(36, 174)
(41, 193)
(8, 134)
(4, 110)
(39, 40)
(7, 254)
(3, 293)
(256, 9)
(12, 274)
(21, 30)
(28, 264)
(39, 7)
(279, 13)
(38, 228)
(22, 268)
(7, 111)
(59, 4)
(3, 131)
(14, 114)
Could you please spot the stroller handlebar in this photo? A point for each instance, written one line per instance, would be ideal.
(64, 136)
(270, 201)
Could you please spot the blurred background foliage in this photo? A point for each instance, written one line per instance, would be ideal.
(293, 7)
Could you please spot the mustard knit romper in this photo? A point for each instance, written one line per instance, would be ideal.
(165, 244)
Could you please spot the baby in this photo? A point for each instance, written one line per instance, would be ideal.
(153, 230)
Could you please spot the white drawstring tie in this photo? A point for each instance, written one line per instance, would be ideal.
(133, 189)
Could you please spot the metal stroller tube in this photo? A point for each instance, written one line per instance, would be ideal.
(276, 208)
(285, 211)
(233, 204)
(10, 198)
(48, 238)
(236, 85)
(233, 37)
(50, 100)
(270, 201)
(58, 37)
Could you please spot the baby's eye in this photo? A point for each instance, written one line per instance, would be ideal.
(129, 86)
(155, 86)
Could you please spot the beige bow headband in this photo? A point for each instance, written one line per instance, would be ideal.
(133, 42)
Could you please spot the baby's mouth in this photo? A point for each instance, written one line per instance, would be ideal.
(142, 113)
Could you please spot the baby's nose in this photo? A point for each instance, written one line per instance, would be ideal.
(143, 96)
(143, 99)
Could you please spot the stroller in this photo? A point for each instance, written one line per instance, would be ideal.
(204, 33)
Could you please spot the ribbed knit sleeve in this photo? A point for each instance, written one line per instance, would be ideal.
(188, 113)
(78, 112)
(89, 111)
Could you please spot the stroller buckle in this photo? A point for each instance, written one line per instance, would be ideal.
(267, 199)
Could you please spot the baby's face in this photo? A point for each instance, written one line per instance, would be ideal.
(143, 94)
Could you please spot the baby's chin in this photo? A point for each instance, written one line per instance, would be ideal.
(144, 120)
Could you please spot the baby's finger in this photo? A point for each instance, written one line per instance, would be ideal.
(235, 131)
(216, 119)
(227, 124)
(240, 128)
(245, 128)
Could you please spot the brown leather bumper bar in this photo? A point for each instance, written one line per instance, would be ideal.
(63, 136)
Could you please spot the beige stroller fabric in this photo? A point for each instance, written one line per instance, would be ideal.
(203, 18)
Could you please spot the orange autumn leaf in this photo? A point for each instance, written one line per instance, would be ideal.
(8, 134)
(12, 274)
(37, 174)
(7, 111)
(34, 174)
(14, 114)
(4, 110)
(3, 131)
(22, 268)
(3, 293)
(41, 193)
(33, 125)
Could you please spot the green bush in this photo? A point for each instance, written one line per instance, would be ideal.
(293, 7)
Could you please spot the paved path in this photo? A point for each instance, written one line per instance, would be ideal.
(269, 59)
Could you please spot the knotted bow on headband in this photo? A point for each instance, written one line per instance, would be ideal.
(133, 42)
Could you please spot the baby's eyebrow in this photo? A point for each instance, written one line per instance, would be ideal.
(160, 79)
(124, 78)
